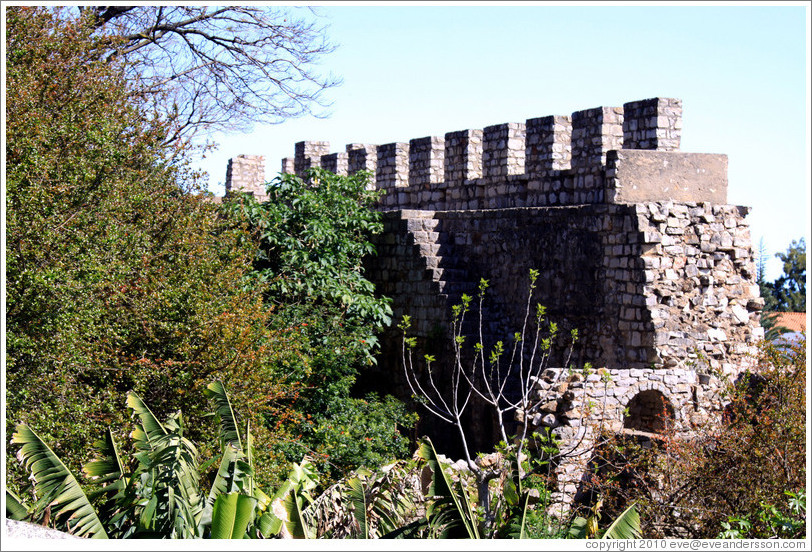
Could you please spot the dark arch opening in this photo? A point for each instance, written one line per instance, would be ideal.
(649, 411)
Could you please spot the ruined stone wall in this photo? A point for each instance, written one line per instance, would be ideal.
(636, 246)
(653, 284)
(246, 173)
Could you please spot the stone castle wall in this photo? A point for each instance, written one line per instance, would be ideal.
(636, 246)
(651, 284)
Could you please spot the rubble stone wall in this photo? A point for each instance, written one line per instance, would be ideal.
(635, 243)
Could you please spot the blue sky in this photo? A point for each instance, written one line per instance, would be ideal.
(417, 70)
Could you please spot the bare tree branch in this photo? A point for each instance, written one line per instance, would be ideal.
(204, 69)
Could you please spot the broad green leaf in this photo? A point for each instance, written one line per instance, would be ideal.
(441, 485)
(57, 486)
(229, 432)
(510, 494)
(578, 528)
(107, 466)
(15, 509)
(297, 524)
(152, 428)
(268, 525)
(626, 526)
(358, 499)
(231, 516)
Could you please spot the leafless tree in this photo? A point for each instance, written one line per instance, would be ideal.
(208, 68)
(503, 381)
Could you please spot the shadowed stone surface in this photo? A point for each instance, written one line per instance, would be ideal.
(665, 175)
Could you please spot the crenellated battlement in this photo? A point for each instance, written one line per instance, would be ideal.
(633, 240)
(555, 160)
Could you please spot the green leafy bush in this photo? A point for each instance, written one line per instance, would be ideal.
(160, 493)
(310, 237)
(119, 276)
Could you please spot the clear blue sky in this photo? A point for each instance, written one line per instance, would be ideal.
(418, 70)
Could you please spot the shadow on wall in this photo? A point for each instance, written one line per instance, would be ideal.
(649, 411)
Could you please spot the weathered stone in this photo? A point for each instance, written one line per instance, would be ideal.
(549, 420)
(640, 253)
(550, 406)
(740, 314)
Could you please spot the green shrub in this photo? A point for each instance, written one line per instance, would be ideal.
(310, 237)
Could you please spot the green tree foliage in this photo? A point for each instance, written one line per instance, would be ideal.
(790, 288)
(122, 276)
(118, 277)
(788, 292)
(311, 235)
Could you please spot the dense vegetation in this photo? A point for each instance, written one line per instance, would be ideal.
(122, 276)
(312, 234)
(787, 293)
(125, 282)
(743, 478)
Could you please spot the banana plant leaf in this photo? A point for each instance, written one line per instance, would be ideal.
(152, 428)
(229, 432)
(626, 526)
(107, 466)
(231, 516)
(15, 509)
(57, 486)
(358, 499)
(232, 471)
(249, 455)
(296, 523)
(577, 528)
(442, 486)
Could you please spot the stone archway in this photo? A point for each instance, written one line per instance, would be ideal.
(649, 411)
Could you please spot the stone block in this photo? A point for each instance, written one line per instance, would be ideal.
(643, 176)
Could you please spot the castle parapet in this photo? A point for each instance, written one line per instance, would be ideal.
(654, 124)
(308, 155)
(548, 145)
(426, 162)
(594, 133)
(503, 150)
(337, 163)
(556, 160)
(246, 173)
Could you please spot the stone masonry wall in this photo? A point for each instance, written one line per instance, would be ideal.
(246, 173)
(546, 161)
(652, 284)
(636, 246)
